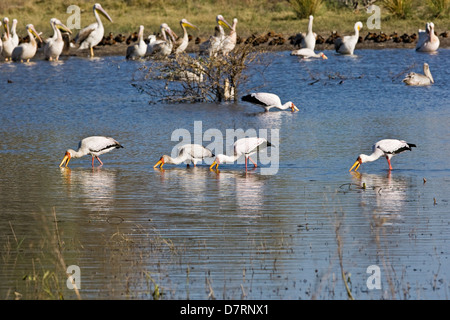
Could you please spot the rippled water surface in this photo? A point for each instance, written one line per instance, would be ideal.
(190, 233)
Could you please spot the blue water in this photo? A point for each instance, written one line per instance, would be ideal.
(201, 234)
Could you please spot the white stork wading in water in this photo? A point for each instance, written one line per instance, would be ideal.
(94, 146)
(268, 101)
(386, 148)
(245, 147)
(347, 44)
(189, 152)
(417, 79)
(90, 36)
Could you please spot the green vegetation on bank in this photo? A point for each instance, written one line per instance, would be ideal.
(255, 16)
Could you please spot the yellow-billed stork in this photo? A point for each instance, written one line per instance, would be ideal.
(387, 148)
(189, 152)
(245, 147)
(94, 146)
(268, 101)
(308, 53)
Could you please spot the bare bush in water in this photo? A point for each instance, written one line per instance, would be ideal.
(185, 78)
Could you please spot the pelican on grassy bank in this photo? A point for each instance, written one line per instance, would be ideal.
(162, 48)
(428, 41)
(182, 43)
(386, 148)
(94, 146)
(417, 79)
(347, 44)
(245, 147)
(8, 42)
(309, 40)
(190, 153)
(268, 101)
(308, 53)
(25, 51)
(90, 36)
(138, 50)
(55, 45)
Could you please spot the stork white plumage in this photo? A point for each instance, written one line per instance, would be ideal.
(245, 147)
(347, 44)
(138, 50)
(94, 146)
(428, 41)
(190, 153)
(308, 53)
(55, 45)
(417, 79)
(91, 35)
(386, 148)
(268, 101)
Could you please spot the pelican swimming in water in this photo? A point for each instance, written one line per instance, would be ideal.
(94, 146)
(189, 153)
(308, 53)
(138, 50)
(309, 40)
(90, 36)
(181, 43)
(386, 148)
(417, 79)
(55, 45)
(214, 44)
(229, 43)
(245, 147)
(162, 48)
(268, 101)
(25, 51)
(428, 41)
(8, 42)
(347, 44)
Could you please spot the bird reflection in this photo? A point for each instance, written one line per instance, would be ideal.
(246, 188)
(384, 194)
(97, 186)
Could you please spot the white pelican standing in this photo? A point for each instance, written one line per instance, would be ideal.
(26, 50)
(182, 43)
(428, 41)
(230, 41)
(417, 79)
(214, 44)
(162, 48)
(387, 148)
(8, 42)
(308, 53)
(347, 44)
(268, 101)
(189, 153)
(95, 146)
(309, 40)
(55, 45)
(245, 147)
(138, 50)
(14, 35)
(90, 36)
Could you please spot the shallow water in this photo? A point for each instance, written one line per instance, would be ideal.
(199, 234)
